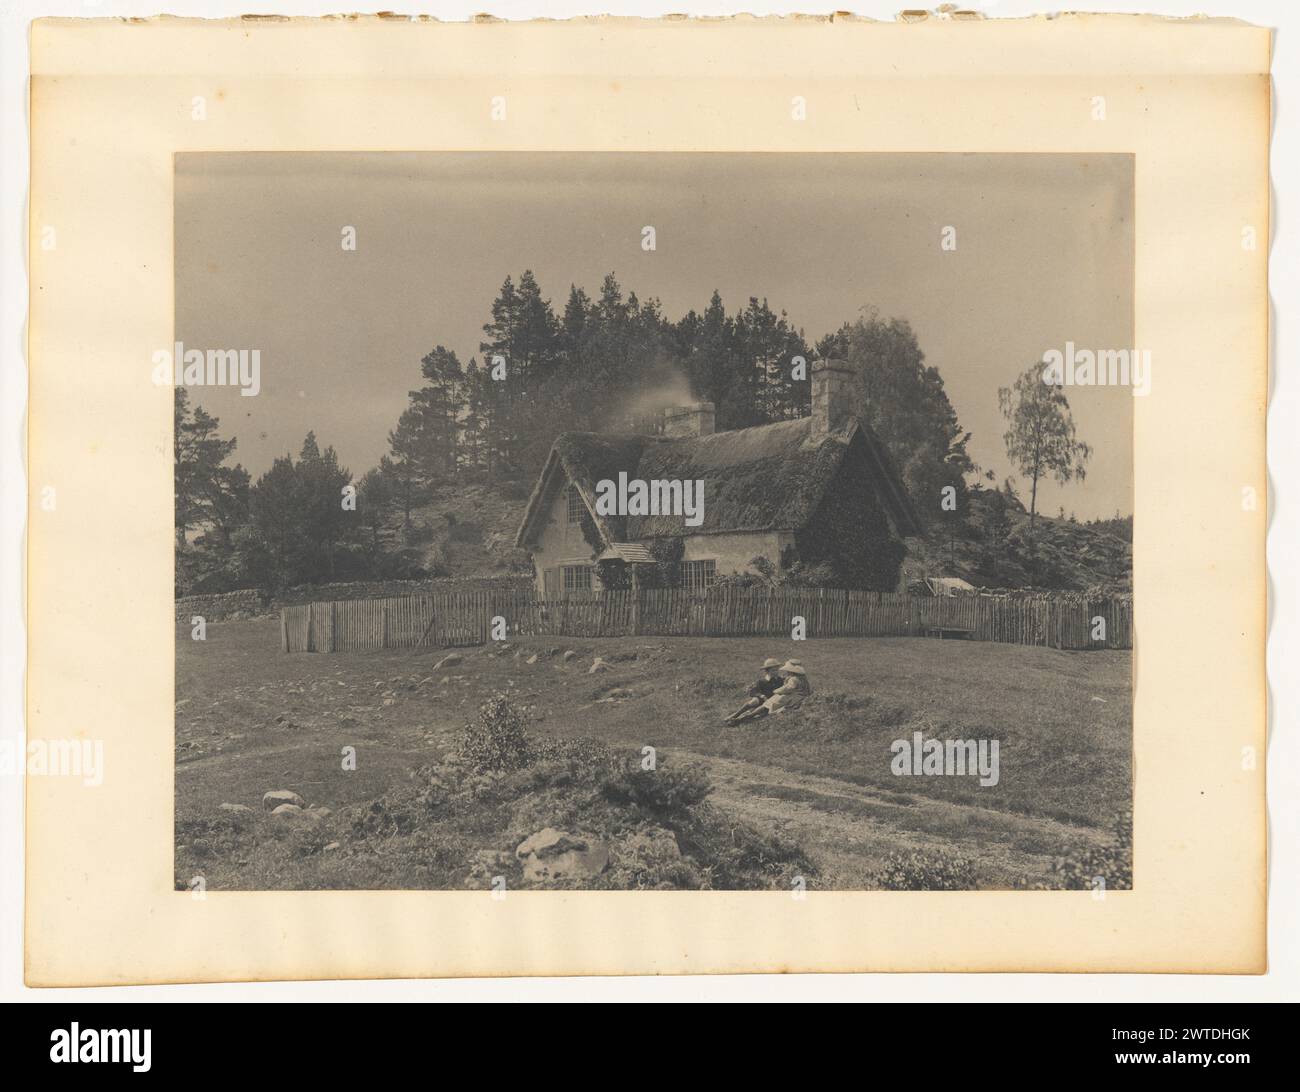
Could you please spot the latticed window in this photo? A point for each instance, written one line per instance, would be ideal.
(577, 579)
(574, 505)
(699, 575)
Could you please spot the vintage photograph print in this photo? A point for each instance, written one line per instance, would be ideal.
(654, 521)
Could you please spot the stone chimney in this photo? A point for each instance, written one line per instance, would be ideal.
(695, 419)
(832, 392)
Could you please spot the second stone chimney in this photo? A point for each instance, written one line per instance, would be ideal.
(832, 394)
(695, 419)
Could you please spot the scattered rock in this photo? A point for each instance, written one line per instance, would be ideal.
(531, 659)
(235, 807)
(287, 809)
(450, 660)
(316, 813)
(597, 665)
(282, 796)
(331, 846)
(552, 854)
(569, 655)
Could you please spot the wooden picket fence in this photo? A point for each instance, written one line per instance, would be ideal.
(456, 619)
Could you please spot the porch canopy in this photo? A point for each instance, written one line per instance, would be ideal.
(630, 553)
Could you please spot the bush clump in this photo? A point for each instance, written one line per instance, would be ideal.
(662, 792)
(495, 740)
(922, 870)
(737, 856)
(1113, 864)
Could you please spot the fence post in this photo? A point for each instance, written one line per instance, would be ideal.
(330, 642)
(383, 639)
(284, 631)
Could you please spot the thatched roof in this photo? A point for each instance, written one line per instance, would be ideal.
(768, 478)
(583, 458)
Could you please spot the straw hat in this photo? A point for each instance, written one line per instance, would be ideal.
(793, 667)
(769, 663)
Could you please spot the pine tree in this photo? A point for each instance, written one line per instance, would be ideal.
(208, 494)
(405, 446)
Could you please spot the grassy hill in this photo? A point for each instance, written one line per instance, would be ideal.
(467, 529)
(993, 547)
(811, 792)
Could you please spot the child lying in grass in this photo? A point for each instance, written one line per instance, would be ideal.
(768, 684)
(791, 693)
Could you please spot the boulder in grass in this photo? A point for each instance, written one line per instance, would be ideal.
(235, 807)
(316, 813)
(554, 855)
(450, 660)
(597, 665)
(276, 797)
(569, 655)
(531, 659)
(287, 809)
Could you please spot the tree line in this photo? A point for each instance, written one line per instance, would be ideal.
(590, 365)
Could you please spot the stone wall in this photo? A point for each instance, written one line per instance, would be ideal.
(222, 607)
(393, 589)
(251, 603)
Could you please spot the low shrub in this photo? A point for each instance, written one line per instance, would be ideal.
(735, 856)
(926, 870)
(495, 740)
(378, 819)
(664, 791)
(1113, 863)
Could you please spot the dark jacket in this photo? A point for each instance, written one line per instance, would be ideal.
(766, 686)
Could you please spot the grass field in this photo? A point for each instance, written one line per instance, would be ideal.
(810, 791)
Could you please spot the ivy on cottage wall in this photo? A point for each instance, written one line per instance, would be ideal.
(614, 574)
(848, 543)
(591, 533)
(667, 569)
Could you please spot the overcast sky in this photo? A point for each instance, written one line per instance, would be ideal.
(1044, 255)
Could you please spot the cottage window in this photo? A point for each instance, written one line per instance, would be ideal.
(699, 575)
(573, 505)
(577, 579)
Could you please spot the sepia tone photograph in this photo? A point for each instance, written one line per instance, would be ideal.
(653, 521)
(675, 457)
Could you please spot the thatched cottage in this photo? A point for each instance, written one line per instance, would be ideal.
(816, 491)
